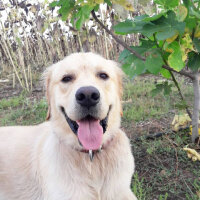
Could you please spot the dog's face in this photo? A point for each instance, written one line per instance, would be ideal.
(83, 92)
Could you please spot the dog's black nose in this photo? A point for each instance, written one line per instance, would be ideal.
(87, 96)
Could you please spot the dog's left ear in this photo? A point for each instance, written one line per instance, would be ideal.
(120, 75)
(120, 87)
(47, 81)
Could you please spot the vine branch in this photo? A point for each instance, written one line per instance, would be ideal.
(116, 38)
(180, 93)
(173, 79)
(122, 43)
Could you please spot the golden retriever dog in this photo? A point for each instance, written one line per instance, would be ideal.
(80, 152)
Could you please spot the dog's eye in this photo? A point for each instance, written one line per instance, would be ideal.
(67, 78)
(103, 76)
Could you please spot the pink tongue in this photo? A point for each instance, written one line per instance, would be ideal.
(90, 134)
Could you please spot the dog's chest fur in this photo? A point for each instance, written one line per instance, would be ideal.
(54, 171)
(79, 178)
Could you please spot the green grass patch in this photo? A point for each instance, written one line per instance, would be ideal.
(138, 187)
(142, 105)
(25, 112)
(12, 102)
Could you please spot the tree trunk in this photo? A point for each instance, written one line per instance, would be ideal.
(195, 116)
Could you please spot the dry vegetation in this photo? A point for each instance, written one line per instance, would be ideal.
(32, 37)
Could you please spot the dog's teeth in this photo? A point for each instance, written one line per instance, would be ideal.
(91, 154)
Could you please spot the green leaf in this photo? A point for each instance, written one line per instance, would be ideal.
(196, 42)
(53, 4)
(154, 17)
(186, 42)
(96, 8)
(165, 55)
(66, 7)
(169, 27)
(175, 58)
(163, 35)
(164, 87)
(124, 54)
(133, 66)
(128, 69)
(125, 27)
(167, 4)
(145, 46)
(140, 18)
(108, 2)
(182, 12)
(167, 88)
(194, 12)
(129, 59)
(171, 3)
(165, 27)
(194, 61)
(160, 2)
(154, 62)
(82, 15)
(149, 29)
(129, 26)
(157, 90)
(139, 67)
(187, 3)
(142, 49)
(165, 73)
(191, 23)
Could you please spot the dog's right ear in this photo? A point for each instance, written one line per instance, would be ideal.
(47, 81)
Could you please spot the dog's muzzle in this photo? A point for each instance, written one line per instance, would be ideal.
(74, 125)
(89, 129)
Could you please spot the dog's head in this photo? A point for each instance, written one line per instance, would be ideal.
(83, 93)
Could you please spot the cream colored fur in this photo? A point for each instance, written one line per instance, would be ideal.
(44, 162)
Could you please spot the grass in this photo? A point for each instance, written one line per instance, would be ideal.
(163, 170)
(166, 168)
(22, 110)
(11, 103)
(140, 190)
(144, 106)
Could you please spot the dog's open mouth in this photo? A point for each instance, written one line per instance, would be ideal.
(89, 130)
